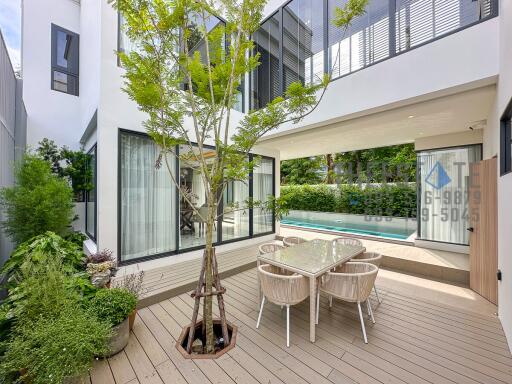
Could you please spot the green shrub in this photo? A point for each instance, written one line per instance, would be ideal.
(113, 305)
(40, 250)
(51, 334)
(39, 202)
(51, 349)
(309, 197)
(397, 200)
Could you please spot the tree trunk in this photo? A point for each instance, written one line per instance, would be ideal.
(208, 299)
(329, 159)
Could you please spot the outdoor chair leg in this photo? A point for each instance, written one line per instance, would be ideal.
(287, 325)
(317, 305)
(330, 301)
(370, 310)
(261, 311)
(377, 294)
(362, 322)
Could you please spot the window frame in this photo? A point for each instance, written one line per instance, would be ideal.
(93, 236)
(179, 250)
(57, 68)
(506, 141)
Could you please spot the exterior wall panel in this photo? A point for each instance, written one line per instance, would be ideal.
(12, 131)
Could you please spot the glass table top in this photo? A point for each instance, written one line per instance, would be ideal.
(313, 257)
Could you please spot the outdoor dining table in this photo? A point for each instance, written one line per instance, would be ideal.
(311, 259)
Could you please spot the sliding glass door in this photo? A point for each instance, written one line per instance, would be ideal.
(444, 179)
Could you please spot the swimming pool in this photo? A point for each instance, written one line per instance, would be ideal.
(396, 228)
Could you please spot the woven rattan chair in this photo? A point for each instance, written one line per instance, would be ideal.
(293, 240)
(374, 258)
(281, 288)
(348, 241)
(353, 283)
(270, 248)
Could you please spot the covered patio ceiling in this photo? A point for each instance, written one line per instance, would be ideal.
(438, 116)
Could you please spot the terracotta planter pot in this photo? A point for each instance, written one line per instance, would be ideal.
(131, 318)
(119, 338)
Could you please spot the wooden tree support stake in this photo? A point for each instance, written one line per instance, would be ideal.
(200, 292)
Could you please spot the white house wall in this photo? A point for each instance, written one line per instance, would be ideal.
(51, 113)
(492, 148)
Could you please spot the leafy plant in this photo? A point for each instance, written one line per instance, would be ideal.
(51, 349)
(49, 334)
(113, 305)
(41, 250)
(101, 257)
(39, 202)
(76, 237)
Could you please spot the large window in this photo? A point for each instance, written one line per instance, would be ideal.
(364, 42)
(65, 49)
(293, 41)
(156, 220)
(506, 141)
(147, 200)
(90, 197)
(443, 189)
(303, 42)
(266, 83)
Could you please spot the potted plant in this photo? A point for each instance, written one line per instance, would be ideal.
(114, 306)
(188, 95)
(101, 266)
(133, 284)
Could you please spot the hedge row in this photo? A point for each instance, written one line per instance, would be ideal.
(397, 200)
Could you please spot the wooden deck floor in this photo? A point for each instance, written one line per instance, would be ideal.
(414, 341)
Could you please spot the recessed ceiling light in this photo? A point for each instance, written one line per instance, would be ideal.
(411, 117)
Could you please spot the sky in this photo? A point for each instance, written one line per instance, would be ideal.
(10, 24)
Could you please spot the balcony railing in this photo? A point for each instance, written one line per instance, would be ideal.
(299, 41)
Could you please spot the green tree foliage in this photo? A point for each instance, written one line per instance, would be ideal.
(39, 202)
(307, 170)
(394, 163)
(382, 200)
(69, 164)
(188, 95)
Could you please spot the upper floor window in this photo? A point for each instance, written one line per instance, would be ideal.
(506, 141)
(65, 62)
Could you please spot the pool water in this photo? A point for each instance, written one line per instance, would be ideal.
(393, 228)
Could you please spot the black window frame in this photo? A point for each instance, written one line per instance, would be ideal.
(57, 68)
(93, 236)
(506, 141)
(179, 250)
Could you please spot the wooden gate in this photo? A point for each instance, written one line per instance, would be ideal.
(483, 240)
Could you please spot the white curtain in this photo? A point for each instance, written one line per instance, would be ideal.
(148, 216)
(444, 193)
(241, 217)
(198, 188)
(262, 189)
